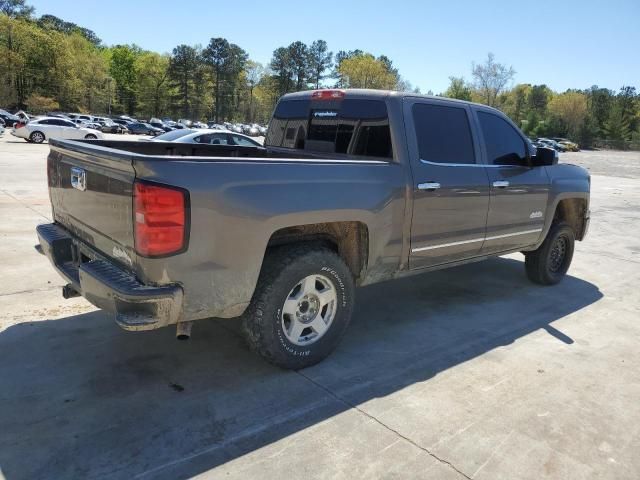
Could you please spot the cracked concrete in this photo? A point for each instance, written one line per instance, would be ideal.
(465, 373)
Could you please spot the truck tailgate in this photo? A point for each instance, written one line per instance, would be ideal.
(91, 195)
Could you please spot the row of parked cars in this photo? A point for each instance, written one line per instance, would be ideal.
(559, 144)
(125, 124)
(81, 126)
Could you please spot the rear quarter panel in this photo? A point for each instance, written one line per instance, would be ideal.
(236, 206)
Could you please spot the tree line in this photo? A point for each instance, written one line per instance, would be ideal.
(49, 64)
(593, 117)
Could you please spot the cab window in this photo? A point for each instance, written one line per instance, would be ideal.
(503, 143)
(357, 127)
(443, 134)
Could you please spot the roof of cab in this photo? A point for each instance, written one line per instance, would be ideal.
(381, 94)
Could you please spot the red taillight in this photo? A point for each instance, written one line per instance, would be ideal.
(327, 95)
(160, 219)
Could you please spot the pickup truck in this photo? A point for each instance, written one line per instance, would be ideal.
(351, 187)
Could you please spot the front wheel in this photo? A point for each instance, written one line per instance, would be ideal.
(549, 263)
(301, 307)
(90, 136)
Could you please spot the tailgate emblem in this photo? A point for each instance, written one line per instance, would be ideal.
(78, 178)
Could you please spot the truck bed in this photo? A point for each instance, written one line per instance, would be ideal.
(238, 197)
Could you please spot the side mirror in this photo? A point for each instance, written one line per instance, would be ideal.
(544, 156)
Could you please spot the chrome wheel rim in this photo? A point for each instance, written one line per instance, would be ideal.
(309, 310)
(558, 254)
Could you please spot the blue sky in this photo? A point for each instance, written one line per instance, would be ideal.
(565, 44)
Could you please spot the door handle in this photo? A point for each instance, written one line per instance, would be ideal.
(430, 186)
(500, 184)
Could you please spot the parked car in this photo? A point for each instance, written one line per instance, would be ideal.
(253, 130)
(185, 122)
(8, 118)
(155, 122)
(109, 126)
(281, 235)
(173, 135)
(140, 128)
(45, 128)
(547, 142)
(217, 137)
(568, 144)
(1, 128)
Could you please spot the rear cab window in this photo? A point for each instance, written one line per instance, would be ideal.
(356, 127)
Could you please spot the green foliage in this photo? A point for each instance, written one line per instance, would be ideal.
(39, 104)
(365, 71)
(16, 8)
(122, 68)
(458, 88)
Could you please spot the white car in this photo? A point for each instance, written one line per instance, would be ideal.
(212, 137)
(1, 129)
(41, 129)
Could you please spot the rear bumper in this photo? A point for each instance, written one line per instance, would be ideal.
(136, 306)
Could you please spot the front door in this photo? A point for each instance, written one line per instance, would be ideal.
(451, 187)
(519, 192)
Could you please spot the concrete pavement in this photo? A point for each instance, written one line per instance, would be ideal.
(471, 372)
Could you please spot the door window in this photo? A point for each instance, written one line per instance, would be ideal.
(212, 139)
(503, 143)
(241, 141)
(443, 134)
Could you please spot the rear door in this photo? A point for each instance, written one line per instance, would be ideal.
(451, 186)
(519, 192)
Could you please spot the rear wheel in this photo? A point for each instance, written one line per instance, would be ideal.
(90, 136)
(37, 137)
(301, 307)
(549, 263)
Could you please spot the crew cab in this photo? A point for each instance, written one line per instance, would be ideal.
(351, 187)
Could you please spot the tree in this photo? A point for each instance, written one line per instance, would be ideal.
(16, 8)
(122, 69)
(55, 23)
(458, 88)
(282, 70)
(491, 78)
(182, 68)
(365, 71)
(320, 60)
(153, 75)
(571, 109)
(227, 61)
(299, 63)
(253, 74)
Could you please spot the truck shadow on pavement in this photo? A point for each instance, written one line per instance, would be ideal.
(81, 398)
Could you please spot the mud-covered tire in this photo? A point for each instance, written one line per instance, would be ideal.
(544, 266)
(264, 322)
(37, 137)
